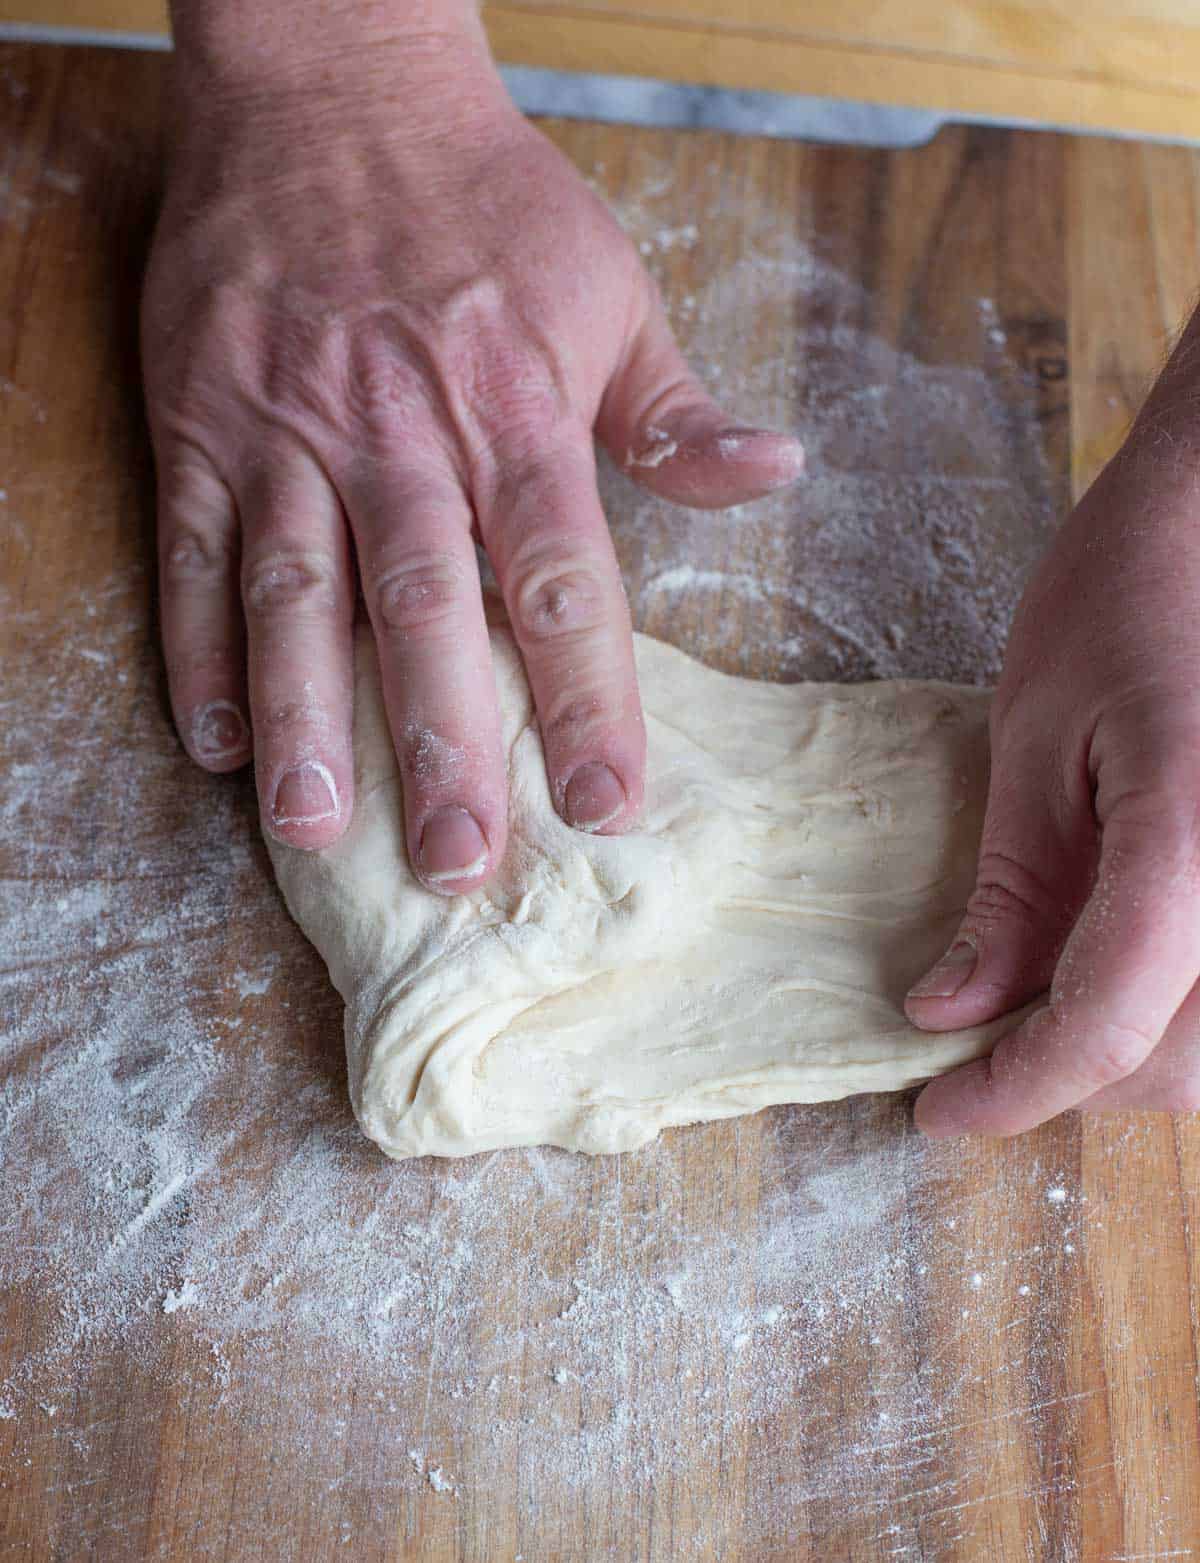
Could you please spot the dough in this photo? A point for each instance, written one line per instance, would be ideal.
(805, 854)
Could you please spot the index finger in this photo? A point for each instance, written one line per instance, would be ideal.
(1128, 965)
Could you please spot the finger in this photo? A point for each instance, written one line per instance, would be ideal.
(1129, 963)
(1169, 1080)
(1031, 882)
(298, 598)
(659, 423)
(202, 629)
(422, 587)
(549, 544)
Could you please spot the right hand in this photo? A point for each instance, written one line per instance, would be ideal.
(1088, 888)
(383, 316)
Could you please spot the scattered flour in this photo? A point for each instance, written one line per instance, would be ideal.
(188, 1295)
(927, 496)
(660, 447)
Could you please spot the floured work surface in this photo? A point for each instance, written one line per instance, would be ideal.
(804, 853)
(231, 1329)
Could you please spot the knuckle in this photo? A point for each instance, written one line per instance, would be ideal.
(207, 342)
(671, 396)
(420, 593)
(346, 369)
(290, 581)
(1006, 891)
(521, 418)
(192, 556)
(553, 597)
(1120, 1051)
(1160, 828)
(506, 383)
(383, 388)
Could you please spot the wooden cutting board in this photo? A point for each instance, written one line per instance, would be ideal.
(231, 1331)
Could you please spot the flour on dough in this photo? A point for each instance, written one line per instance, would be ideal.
(804, 855)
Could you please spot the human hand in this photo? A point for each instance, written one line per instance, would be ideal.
(383, 317)
(1089, 870)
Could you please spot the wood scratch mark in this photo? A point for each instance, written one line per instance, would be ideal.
(1147, 1557)
(997, 1416)
(1021, 1493)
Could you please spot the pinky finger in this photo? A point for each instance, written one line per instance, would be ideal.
(202, 626)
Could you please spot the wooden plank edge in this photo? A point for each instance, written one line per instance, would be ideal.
(721, 59)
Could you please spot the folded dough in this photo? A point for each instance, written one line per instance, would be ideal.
(804, 854)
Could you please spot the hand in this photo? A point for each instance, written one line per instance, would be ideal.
(383, 317)
(1089, 870)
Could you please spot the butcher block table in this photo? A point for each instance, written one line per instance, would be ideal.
(231, 1329)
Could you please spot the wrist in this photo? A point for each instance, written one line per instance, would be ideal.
(293, 52)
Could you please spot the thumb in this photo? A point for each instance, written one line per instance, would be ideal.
(1027, 895)
(660, 425)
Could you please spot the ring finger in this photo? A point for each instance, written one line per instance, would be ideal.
(298, 598)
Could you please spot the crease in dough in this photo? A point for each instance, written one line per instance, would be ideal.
(804, 854)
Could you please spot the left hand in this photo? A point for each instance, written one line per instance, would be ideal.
(1089, 872)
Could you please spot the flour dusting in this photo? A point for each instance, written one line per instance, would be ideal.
(927, 496)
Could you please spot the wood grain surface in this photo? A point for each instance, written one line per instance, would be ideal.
(230, 1331)
(1116, 65)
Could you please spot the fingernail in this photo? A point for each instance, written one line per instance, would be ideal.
(305, 794)
(788, 452)
(950, 974)
(219, 730)
(593, 796)
(452, 846)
